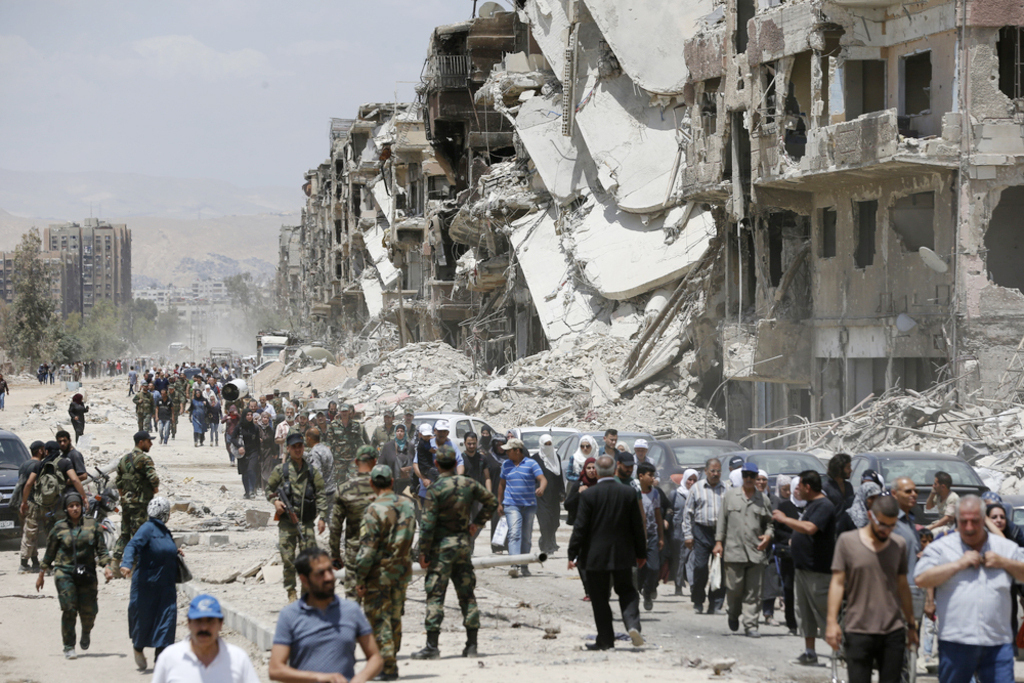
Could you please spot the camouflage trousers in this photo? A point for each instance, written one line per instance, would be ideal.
(450, 560)
(351, 552)
(383, 607)
(344, 469)
(75, 602)
(145, 421)
(133, 515)
(291, 544)
(33, 532)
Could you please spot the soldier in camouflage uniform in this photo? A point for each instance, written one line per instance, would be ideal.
(383, 566)
(137, 483)
(144, 407)
(446, 548)
(278, 403)
(384, 433)
(345, 435)
(349, 505)
(75, 540)
(304, 488)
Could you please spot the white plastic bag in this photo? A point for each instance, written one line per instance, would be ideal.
(500, 532)
(714, 573)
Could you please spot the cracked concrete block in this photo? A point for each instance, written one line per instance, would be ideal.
(257, 518)
(219, 539)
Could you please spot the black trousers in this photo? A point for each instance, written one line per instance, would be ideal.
(703, 544)
(549, 508)
(788, 575)
(599, 584)
(867, 651)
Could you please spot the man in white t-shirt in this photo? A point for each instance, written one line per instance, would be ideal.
(204, 657)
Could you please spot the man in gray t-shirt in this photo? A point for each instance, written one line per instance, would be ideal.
(972, 571)
(319, 632)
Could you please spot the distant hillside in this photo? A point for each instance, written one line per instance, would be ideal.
(73, 196)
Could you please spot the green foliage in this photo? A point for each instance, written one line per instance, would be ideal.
(31, 318)
(100, 335)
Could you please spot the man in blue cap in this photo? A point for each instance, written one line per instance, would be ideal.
(204, 657)
(742, 534)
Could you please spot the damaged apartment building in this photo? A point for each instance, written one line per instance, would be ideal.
(802, 202)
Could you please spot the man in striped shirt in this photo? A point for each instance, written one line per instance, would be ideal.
(700, 518)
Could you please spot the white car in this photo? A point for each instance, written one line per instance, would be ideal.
(530, 436)
(461, 424)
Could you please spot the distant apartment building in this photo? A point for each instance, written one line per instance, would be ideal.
(104, 256)
(65, 279)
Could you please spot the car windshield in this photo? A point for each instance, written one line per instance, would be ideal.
(922, 471)
(532, 439)
(786, 463)
(12, 453)
(698, 455)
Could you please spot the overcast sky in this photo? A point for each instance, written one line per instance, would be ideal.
(228, 89)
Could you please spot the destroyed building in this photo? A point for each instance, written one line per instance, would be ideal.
(804, 202)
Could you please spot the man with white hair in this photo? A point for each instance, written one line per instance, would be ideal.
(972, 571)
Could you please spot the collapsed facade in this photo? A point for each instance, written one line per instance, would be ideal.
(805, 202)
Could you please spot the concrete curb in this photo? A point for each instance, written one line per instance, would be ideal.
(258, 634)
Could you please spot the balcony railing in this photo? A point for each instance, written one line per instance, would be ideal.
(449, 71)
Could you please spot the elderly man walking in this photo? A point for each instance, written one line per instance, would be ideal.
(972, 571)
(700, 520)
(743, 532)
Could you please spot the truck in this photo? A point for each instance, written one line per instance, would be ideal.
(269, 345)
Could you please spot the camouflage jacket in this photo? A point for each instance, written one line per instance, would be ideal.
(85, 539)
(448, 505)
(278, 405)
(349, 505)
(345, 441)
(136, 477)
(319, 456)
(298, 477)
(180, 390)
(381, 436)
(385, 545)
(143, 402)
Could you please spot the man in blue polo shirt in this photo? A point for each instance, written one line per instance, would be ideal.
(522, 480)
(318, 632)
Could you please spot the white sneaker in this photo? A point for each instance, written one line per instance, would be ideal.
(69, 653)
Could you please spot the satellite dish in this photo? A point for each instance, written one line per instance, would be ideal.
(933, 260)
(489, 9)
(904, 323)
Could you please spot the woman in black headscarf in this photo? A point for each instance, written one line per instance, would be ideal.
(77, 411)
(249, 453)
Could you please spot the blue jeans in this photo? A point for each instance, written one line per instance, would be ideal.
(2, 396)
(165, 430)
(958, 663)
(520, 527)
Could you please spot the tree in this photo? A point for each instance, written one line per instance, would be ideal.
(137, 321)
(101, 333)
(28, 332)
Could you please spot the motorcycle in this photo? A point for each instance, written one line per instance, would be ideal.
(104, 502)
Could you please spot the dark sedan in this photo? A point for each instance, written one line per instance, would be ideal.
(672, 457)
(921, 467)
(775, 463)
(12, 454)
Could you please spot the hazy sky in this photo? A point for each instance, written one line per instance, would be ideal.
(228, 89)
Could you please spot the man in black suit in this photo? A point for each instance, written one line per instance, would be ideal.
(608, 540)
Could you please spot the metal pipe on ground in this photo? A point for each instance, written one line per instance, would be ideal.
(497, 561)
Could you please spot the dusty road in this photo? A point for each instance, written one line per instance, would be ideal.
(516, 612)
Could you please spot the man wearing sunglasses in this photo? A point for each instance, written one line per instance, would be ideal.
(869, 568)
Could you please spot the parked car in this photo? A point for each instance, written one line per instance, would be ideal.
(921, 467)
(672, 457)
(569, 447)
(461, 424)
(530, 436)
(775, 463)
(13, 453)
(1016, 504)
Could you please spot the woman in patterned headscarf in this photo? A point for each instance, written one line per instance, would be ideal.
(150, 559)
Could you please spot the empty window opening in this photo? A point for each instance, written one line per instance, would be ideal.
(865, 87)
(769, 107)
(916, 87)
(1011, 69)
(775, 222)
(864, 217)
(338, 234)
(913, 219)
(744, 13)
(1004, 240)
(797, 105)
(828, 233)
(709, 107)
(742, 143)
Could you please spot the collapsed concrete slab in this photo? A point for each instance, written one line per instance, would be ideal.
(374, 239)
(561, 308)
(622, 257)
(564, 163)
(655, 63)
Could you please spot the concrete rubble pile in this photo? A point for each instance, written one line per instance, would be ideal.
(571, 385)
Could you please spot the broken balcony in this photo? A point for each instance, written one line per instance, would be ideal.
(867, 149)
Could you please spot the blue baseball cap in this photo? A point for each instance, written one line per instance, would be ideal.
(749, 467)
(204, 606)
